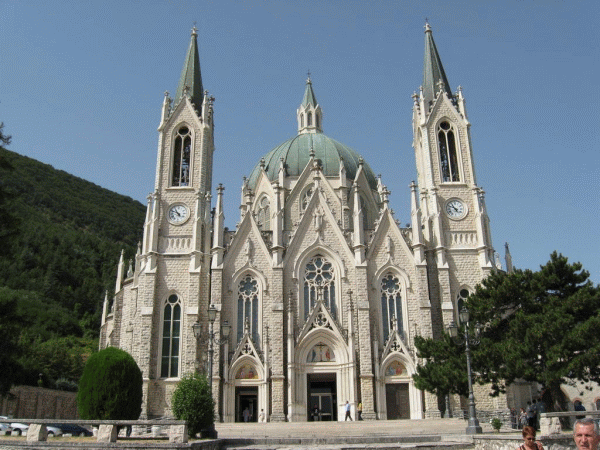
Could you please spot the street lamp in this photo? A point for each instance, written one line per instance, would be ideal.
(212, 340)
(473, 427)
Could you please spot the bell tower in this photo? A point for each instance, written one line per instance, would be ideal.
(173, 264)
(455, 223)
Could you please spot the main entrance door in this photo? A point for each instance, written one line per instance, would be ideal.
(322, 397)
(246, 398)
(397, 401)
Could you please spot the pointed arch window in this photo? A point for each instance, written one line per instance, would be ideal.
(247, 313)
(181, 157)
(305, 198)
(319, 283)
(263, 214)
(461, 298)
(309, 119)
(169, 366)
(301, 120)
(448, 156)
(391, 305)
(317, 120)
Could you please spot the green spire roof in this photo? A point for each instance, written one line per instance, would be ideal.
(433, 71)
(309, 95)
(190, 75)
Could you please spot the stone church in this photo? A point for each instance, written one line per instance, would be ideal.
(323, 290)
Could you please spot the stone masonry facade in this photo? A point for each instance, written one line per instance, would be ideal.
(323, 291)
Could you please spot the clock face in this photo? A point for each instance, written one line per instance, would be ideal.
(178, 214)
(456, 209)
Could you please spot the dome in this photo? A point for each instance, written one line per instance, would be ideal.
(296, 155)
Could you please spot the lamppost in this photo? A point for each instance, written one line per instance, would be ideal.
(473, 427)
(212, 340)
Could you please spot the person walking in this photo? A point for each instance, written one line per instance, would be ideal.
(529, 440)
(348, 416)
(522, 418)
(359, 410)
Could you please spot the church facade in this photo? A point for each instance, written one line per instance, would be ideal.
(323, 290)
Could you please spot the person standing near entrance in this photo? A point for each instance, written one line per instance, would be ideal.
(359, 410)
(530, 412)
(246, 414)
(348, 416)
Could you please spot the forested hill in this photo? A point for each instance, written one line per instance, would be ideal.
(60, 257)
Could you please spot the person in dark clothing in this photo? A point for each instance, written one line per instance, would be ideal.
(579, 407)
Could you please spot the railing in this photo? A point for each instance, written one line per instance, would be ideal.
(550, 422)
(108, 430)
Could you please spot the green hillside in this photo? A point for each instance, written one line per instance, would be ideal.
(58, 258)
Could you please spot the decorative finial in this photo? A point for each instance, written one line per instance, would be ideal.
(427, 26)
(440, 84)
(194, 30)
(308, 79)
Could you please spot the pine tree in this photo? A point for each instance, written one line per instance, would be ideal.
(538, 326)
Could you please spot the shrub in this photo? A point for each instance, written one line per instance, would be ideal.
(110, 387)
(192, 402)
(62, 384)
(496, 423)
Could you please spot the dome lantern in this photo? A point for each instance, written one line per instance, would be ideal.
(309, 114)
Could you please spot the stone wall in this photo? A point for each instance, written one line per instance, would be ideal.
(39, 403)
(499, 442)
(12, 445)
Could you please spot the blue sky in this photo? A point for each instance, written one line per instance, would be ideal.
(82, 82)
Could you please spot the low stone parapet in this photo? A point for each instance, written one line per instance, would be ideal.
(514, 441)
(37, 432)
(550, 422)
(108, 430)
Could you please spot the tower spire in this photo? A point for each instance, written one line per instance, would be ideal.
(309, 113)
(309, 95)
(434, 77)
(190, 82)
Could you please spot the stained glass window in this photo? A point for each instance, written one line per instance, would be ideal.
(319, 280)
(169, 367)
(248, 307)
(391, 304)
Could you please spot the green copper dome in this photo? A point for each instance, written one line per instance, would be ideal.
(296, 155)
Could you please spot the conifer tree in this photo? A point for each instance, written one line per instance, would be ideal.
(538, 326)
(110, 387)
